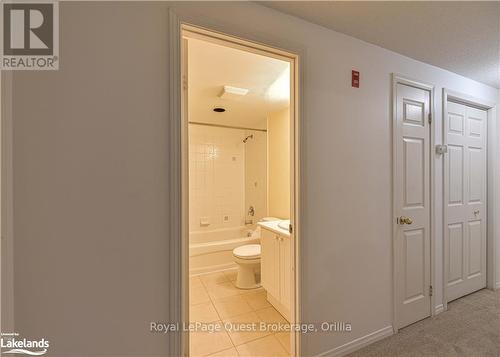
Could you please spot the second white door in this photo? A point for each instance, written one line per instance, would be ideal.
(465, 200)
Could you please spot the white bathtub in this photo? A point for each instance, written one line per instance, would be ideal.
(211, 251)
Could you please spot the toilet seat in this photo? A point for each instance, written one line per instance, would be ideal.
(248, 251)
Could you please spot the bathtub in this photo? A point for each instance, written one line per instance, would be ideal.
(211, 251)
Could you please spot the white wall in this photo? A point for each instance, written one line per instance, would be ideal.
(91, 176)
(91, 180)
(216, 178)
(346, 163)
(256, 174)
(278, 139)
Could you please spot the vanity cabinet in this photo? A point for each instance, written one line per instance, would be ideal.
(276, 270)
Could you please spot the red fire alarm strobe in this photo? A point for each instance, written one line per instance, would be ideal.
(355, 79)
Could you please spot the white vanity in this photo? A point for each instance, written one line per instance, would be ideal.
(276, 265)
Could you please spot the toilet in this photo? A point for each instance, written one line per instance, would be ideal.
(247, 257)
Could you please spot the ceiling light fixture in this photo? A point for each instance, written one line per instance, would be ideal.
(229, 92)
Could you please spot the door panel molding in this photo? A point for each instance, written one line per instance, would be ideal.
(411, 117)
(471, 130)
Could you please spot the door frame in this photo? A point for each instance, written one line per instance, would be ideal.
(179, 200)
(491, 246)
(401, 79)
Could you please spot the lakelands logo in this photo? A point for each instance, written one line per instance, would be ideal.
(30, 35)
(10, 343)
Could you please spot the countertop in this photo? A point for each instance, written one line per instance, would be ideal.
(273, 226)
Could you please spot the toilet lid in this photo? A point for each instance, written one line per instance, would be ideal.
(249, 251)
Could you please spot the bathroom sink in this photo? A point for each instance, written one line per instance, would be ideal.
(284, 224)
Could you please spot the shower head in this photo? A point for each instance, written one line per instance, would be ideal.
(248, 137)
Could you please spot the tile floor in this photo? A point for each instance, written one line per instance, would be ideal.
(215, 299)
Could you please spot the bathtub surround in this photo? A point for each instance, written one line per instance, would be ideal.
(226, 177)
(278, 138)
(216, 178)
(68, 175)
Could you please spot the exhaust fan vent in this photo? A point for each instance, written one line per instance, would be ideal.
(229, 92)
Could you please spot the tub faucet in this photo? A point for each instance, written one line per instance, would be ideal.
(251, 211)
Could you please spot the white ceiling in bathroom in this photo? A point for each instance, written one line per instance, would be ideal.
(212, 66)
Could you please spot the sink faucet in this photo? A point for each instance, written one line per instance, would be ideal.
(251, 211)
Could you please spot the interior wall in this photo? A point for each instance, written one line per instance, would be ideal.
(91, 159)
(91, 185)
(278, 137)
(216, 178)
(7, 241)
(346, 167)
(256, 174)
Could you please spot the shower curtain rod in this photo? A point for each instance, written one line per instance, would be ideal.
(226, 126)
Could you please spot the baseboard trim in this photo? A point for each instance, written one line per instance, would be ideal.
(439, 309)
(358, 343)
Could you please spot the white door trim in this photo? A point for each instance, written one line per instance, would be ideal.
(491, 244)
(179, 213)
(400, 79)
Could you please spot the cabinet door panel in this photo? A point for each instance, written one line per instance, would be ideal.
(285, 272)
(270, 262)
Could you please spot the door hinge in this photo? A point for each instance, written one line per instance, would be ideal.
(430, 118)
(290, 228)
(430, 290)
(441, 149)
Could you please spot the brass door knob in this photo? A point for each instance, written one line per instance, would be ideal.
(404, 220)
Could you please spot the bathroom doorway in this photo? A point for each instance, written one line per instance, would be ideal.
(240, 147)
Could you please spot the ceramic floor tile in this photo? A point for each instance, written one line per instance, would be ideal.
(257, 299)
(270, 315)
(213, 278)
(251, 322)
(206, 343)
(263, 347)
(284, 339)
(204, 312)
(197, 295)
(231, 274)
(222, 290)
(194, 281)
(226, 353)
(231, 306)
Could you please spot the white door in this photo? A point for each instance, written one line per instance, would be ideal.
(465, 200)
(412, 204)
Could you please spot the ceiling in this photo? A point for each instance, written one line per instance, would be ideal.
(212, 66)
(462, 37)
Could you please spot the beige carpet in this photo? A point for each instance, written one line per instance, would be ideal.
(470, 328)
